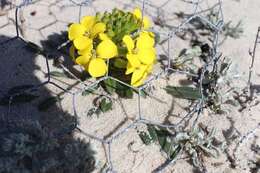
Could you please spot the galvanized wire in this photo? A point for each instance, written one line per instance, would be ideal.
(195, 111)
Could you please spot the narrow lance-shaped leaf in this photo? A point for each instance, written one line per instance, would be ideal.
(175, 151)
(145, 138)
(167, 148)
(152, 132)
(183, 92)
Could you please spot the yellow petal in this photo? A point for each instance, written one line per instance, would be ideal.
(145, 40)
(151, 34)
(72, 52)
(75, 31)
(103, 37)
(137, 13)
(129, 42)
(141, 81)
(88, 22)
(107, 49)
(83, 60)
(97, 67)
(147, 56)
(146, 23)
(87, 50)
(147, 33)
(149, 68)
(129, 69)
(82, 42)
(98, 28)
(133, 60)
(138, 74)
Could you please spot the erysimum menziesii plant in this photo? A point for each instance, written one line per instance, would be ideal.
(121, 37)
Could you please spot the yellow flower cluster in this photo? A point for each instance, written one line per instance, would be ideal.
(92, 46)
(141, 56)
(82, 35)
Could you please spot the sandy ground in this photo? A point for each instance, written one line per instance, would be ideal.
(45, 20)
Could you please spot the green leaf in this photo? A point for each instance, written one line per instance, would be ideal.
(152, 132)
(120, 63)
(47, 103)
(110, 85)
(110, 33)
(175, 152)
(89, 91)
(162, 136)
(183, 92)
(86, 92)
(166, 144)
(145, 138)
(129, 93)
(122, 50)
(124, 91)
(167, 147)
(162, 140)
(93, 111)
(105, 105)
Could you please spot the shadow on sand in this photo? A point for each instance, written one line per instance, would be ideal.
(32, 140)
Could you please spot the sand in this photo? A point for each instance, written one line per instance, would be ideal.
(46, 19)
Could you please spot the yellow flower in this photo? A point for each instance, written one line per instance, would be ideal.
(94, 60)
(76, 30)
(97, 67)
(141, 56)
(82, 42)
(145, 20)
(103, 36)
(107, 49)
(84, 32)
(139, 75)
(92, 48)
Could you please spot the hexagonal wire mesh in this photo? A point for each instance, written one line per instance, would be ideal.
(197, 13)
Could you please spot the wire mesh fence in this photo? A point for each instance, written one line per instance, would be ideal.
(197, 9)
